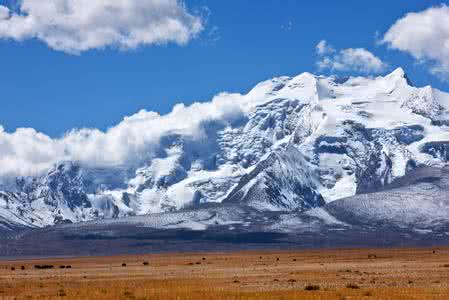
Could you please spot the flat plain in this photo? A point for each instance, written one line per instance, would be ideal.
(421, 273)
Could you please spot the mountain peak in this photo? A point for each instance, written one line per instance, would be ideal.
(399, 74)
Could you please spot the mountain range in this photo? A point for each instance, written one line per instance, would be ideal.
(322, 158)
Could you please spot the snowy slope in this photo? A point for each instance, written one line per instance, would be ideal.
(420, 205)
(282, 181)
(58, 197)
(296, 143)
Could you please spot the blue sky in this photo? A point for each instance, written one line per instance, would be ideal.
(241, 43)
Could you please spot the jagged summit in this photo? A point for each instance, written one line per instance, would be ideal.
(290, 143)
(396, 73)
(399, 75)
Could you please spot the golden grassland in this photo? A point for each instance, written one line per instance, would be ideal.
(320, 274)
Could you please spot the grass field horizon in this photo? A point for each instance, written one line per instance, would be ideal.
(396, 273)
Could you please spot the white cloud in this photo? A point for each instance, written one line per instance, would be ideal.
(424, 35)
(135, 139)
(4, 12)
(323, 48)
(75, 26)
(351, 59)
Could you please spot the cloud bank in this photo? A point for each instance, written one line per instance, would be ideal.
(74, 26)
(424, 35)
(135, 139)
(350, 59)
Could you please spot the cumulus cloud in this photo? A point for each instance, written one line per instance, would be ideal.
(134, 140)
(350, 59)
(74, 26)
(424, 35)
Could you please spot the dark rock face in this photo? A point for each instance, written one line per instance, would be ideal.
(438, 150)
(66, 182)
(376, 175)
(409, 134)
(331, 144)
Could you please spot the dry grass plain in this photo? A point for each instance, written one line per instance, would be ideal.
(339, 274)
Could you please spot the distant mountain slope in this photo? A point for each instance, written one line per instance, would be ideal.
(423, 205)
(413, 212)
(293, 144)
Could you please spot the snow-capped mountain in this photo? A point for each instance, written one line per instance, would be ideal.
(297, 143)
